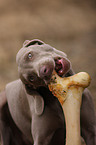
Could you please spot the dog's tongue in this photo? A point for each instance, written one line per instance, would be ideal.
(62, 66)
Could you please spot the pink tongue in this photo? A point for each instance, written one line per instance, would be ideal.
(58, 66)
(62, 66)
(60, 73)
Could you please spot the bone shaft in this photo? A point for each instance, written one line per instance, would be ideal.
(71, 109)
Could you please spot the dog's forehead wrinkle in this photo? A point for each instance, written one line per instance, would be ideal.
(33, 42)
(44, 47)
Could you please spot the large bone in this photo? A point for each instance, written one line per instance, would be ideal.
(69, 92)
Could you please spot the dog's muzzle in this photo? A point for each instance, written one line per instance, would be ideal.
(62, 66)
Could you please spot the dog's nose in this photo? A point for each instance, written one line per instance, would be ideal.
(46, 71)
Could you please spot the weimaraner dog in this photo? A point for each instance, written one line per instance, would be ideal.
(29, 113)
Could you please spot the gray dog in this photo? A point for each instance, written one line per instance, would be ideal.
(29, 113)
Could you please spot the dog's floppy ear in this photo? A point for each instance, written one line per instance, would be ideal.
(32, 42)
(36, 102)
(38, 105)
(26, 42)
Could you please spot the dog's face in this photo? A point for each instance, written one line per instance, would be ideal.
(36, 62)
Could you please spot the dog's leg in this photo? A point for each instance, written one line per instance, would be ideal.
(88, 119)
(10, 134)
(4, 129)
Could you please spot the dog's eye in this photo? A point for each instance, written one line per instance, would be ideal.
(30, 56)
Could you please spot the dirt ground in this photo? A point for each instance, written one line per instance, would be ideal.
(68, 25)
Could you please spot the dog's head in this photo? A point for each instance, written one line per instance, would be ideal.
(36, 62)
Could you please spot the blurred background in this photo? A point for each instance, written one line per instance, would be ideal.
(68, 25)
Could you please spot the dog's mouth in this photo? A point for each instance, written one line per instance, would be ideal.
(61, 66)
